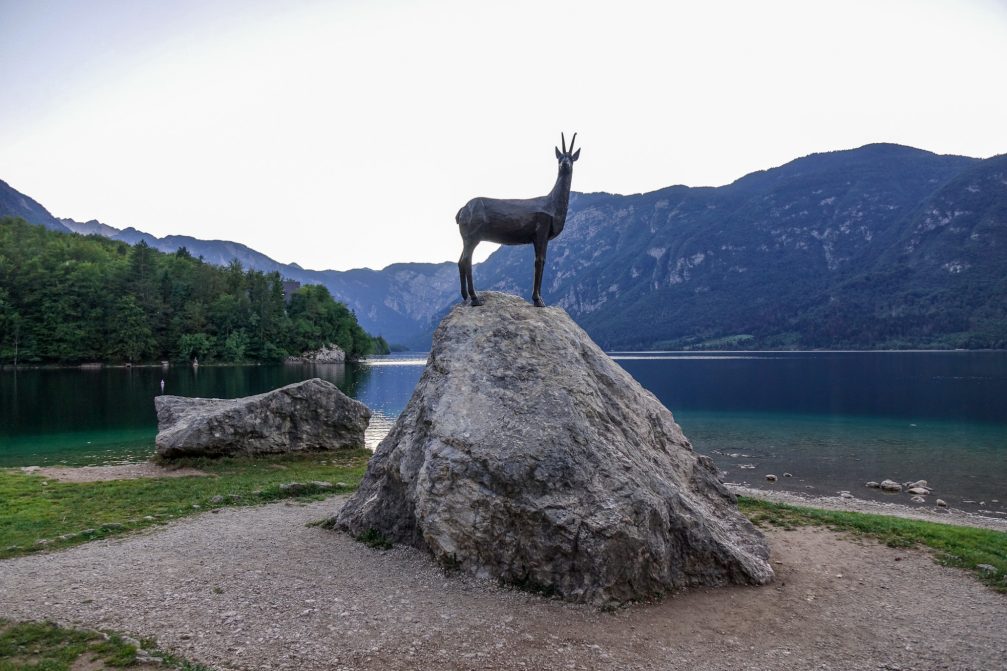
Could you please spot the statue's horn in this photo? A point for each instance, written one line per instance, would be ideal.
(563, 140)
(572, 140)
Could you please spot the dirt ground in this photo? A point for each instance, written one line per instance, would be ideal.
(144, 469)
(255, 588)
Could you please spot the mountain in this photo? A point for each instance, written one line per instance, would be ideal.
(880, 246)
(16, 204)
(91, 227)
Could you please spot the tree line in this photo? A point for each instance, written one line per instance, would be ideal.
(73, 298)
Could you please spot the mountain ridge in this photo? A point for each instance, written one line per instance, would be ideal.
(16, 204)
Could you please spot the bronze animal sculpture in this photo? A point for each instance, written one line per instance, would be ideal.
(533, 221)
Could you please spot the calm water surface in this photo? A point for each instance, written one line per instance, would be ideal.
(832, 419)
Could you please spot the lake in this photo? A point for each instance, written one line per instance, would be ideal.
(832, 419)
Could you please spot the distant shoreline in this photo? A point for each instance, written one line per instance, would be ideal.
(613, 353)
(122, 366)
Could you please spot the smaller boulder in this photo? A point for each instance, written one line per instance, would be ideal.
(941, 503)
(918, 499)
(918, 483)
(890, 486)
(921, 491)
(771, 478)
(308, 416)
(873, 485)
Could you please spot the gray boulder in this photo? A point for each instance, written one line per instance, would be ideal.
(307, 416)
(528, 455)
(890, 486)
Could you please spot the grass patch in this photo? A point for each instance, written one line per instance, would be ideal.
(42, 514)
(373, 538)
(958, 546)
(44, 646)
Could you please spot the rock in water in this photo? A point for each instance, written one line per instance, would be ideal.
(305, 417)
(528, 455)
(327, 354)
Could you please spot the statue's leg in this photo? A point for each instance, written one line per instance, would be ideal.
(470, 246)
(540, 248)
(461, 274)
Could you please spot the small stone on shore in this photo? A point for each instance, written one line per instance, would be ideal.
(941, 503)
(771, 477)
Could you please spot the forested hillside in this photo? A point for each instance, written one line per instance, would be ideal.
(67, 298)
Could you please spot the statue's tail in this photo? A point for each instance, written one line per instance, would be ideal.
(464, 215)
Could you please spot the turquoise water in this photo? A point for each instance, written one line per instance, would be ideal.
(833, 419)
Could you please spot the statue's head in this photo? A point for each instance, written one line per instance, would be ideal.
(566, 158)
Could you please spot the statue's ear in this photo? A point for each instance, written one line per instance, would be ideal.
(558, 155)
(575, 156)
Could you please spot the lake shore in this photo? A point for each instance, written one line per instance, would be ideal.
(224, 575)
(952, 516)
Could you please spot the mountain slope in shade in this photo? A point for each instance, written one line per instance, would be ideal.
(944, 277)
(762, 262)
(16, 204)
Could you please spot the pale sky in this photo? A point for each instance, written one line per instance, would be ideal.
(348, 134)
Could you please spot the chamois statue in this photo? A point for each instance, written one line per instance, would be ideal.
(533, 221)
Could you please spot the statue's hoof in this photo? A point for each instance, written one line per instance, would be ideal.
(476, 302)
(539, 303)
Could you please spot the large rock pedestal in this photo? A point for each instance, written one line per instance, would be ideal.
(308, 416)
(528, 455)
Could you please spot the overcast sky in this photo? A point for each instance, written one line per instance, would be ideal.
(348, 134)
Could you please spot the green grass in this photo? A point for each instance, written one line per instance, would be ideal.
(44, 646)
(61, 514)
(375, 539)
(961, 547)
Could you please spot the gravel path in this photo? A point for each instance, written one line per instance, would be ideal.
(145, 469)
(255, 588)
